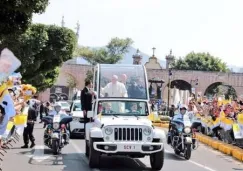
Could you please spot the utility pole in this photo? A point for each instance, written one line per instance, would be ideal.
(63, 22)
(77, 29)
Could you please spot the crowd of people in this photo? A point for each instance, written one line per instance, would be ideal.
(217, 117)
(17, 100)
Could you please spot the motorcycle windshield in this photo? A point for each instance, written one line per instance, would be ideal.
(181, 123)
(187, 122)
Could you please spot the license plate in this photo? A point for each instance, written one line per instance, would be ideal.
(55, 135)
(129, 147)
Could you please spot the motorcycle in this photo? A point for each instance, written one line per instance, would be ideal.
(181, 137)
(56, 135)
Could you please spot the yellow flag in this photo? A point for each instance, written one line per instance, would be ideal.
(100, 115)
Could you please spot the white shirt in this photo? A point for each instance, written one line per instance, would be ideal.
(9, 108)
(115, 90)
(180, 116)
(9, 112)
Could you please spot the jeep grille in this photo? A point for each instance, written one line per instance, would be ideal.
(128, 134)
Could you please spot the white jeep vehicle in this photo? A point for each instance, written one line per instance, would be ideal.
(121, 127)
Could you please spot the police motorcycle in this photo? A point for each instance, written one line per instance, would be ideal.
(181, 136)
(56, 135)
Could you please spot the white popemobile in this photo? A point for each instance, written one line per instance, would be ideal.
(119, 123)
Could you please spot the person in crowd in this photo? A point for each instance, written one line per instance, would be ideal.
(41, 111)
(152, 105)
(114, 88)
(172, 111)
(28, 130)
(7, 110)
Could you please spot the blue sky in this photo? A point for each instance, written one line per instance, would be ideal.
(214, 26)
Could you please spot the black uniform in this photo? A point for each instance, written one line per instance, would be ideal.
(28, 131)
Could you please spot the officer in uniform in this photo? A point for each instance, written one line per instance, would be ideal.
(28, 130)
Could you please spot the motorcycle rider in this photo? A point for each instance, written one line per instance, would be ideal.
(182, 110)
(181, 115)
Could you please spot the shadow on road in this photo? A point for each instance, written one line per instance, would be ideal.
(172, 156)
(121, 163)
(75, 161)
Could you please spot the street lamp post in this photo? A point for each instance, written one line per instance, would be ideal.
(169, 60)
(194, 84)
(168, 100)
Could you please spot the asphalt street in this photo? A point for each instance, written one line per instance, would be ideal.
(73, 159)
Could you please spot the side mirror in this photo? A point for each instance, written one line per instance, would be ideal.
(90, 114)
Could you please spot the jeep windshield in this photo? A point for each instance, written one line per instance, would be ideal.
(122, 81)
(123, 108)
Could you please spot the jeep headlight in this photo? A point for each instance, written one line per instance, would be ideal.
(187, 130)
(108, 130)
(55, 125)
(147, 131)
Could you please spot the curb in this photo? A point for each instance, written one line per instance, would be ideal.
(162, 125)
(224, 148)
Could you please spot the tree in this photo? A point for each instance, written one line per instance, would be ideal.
(89, 75)
(200, 62)
(111, 54)
(42, 49)
(16, 15)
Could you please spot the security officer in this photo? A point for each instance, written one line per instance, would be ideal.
(28, 131)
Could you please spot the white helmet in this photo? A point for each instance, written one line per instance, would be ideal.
(183, 106)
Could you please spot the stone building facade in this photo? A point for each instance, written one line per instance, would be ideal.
(77, 72)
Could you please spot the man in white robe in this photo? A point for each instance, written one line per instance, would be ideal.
(115, 88)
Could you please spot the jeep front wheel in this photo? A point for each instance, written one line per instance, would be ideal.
(94, 156)
(157, 160)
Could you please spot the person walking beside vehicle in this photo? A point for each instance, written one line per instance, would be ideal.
(28, 130)
(86, 98)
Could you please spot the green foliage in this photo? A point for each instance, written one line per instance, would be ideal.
(89, 76)
(42, 49)
(111, 54)
(220, 89)
(200, 62)
(72, 82)
(16, 15)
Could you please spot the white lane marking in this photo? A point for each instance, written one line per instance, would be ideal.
(39, 154)
(193, 162)
(84, 158)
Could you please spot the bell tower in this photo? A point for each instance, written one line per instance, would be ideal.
(169, 59)
(137, 58)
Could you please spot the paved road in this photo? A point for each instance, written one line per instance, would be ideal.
(73, 159)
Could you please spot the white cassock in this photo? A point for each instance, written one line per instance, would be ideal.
(115, 90)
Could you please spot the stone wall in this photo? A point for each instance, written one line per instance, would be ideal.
(205, 79)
